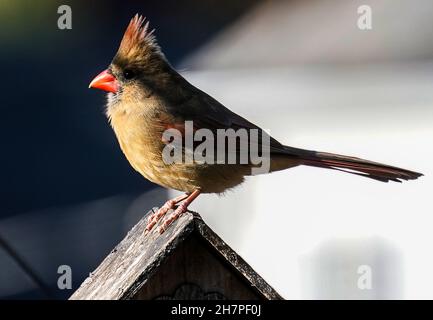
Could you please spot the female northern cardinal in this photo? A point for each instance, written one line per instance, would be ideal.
(147, 96)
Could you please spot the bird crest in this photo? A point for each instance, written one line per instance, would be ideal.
(138, 40)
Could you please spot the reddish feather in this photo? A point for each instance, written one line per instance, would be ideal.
(137, 35)
(361, 167)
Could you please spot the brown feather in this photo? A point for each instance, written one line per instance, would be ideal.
(366, 168)
(138, 45)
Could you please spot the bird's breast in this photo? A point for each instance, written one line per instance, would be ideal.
(140, 138)
(140, 141)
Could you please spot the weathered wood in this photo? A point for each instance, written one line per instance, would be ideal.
(196, 271)
(240, 265)
(187, 261)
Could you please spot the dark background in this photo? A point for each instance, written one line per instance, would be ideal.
(58, 149)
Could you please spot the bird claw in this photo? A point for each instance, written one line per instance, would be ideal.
(183, 200)
(156, 216)
(181, 209)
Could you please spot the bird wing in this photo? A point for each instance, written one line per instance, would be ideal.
(207, 112)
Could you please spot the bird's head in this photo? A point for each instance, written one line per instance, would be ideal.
(136, 65)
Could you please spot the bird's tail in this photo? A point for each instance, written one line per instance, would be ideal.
(365, 168)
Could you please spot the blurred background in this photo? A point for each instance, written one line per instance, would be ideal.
(302, 69)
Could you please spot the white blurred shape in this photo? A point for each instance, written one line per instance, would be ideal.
(279, 33)
(357, 268)
(378, 113)
(305, 71)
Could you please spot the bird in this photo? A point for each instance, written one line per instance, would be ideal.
(146, 97)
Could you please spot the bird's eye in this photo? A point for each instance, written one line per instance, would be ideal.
(128, 74)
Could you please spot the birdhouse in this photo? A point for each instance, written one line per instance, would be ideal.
(187, 261)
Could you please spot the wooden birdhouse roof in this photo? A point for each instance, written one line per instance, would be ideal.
(188, 252)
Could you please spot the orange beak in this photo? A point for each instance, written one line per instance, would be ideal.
(105, 81)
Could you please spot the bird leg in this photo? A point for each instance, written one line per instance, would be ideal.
(182, 208)
(170, 204)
